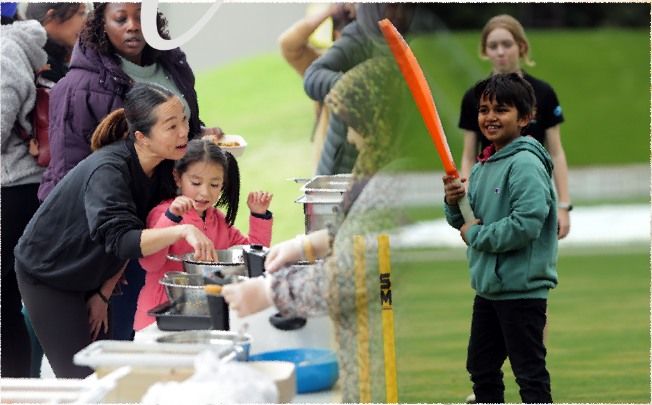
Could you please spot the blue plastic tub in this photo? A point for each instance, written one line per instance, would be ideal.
(316, 369)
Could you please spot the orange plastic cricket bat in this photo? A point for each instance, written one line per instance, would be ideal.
(416, 81)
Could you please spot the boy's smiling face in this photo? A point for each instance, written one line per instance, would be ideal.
(499, 123)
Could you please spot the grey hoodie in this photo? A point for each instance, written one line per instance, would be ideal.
(21, 56)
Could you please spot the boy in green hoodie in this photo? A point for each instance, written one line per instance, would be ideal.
(512, 246)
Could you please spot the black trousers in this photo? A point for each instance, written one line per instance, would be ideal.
(19, 203)
(60, 320)
(514, 329)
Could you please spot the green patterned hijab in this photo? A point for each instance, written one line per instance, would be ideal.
(366, 99)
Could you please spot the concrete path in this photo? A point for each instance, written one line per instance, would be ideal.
(585, 183)
(590, 226)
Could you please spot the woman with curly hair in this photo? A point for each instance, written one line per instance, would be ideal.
(110, 57)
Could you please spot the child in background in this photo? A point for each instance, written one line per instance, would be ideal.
(206, 176)
(504, 43)
(512, 246)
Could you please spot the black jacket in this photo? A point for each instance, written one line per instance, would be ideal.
(92, 222)
(338, 156)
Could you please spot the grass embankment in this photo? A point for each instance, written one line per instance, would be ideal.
(601, 77)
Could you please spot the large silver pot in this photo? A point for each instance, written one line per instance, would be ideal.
(186, 292)
(230, 263)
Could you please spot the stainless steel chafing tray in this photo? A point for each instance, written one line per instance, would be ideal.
(327, 185)
(321, 195)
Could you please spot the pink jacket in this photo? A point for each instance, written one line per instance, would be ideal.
(217, 230)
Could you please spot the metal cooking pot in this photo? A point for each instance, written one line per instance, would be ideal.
(230, 262)
(186, 292)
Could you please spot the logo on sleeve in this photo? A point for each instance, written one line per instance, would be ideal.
(557, 111)
(497, 190)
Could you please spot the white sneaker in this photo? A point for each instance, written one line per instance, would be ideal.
(470, 399)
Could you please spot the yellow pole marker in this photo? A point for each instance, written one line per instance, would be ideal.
(384, 267)
(361, 303)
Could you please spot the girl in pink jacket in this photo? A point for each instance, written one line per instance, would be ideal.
(206, 177)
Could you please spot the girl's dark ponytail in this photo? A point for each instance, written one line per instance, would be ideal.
(112, 128)
(231, 193)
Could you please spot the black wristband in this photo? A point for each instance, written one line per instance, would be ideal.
(106, 300)
(266, 215)
(172, 217)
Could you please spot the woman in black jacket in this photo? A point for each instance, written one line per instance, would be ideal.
(74, 249)
(110, 57)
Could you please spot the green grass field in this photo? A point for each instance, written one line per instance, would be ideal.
(601, 77)
(599, 343)
(598, 337)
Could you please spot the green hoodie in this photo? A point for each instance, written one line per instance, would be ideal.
(513, 253)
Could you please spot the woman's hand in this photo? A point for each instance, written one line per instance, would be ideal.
(454, 190)
(563, 223)
(214, 134)
(181, 205)
(258, 201)
(283, 253)
(97, 315)
(204, 248)
(250, 296)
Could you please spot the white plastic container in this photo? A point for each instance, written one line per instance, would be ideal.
(59, 391)
(235, 144)
(149, 362)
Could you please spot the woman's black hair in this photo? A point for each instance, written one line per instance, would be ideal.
(93, 34)
(203, 150)
(510, 89)
(61, 12)
(137, 114)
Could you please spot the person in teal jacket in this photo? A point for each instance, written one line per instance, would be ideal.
(512, 245)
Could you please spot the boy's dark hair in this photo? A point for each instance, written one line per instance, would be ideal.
(93, 35)
(510, 89)
(202, 150)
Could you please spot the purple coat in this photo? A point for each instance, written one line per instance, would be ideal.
(94, 86)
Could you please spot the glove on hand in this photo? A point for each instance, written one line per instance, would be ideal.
(250, 296)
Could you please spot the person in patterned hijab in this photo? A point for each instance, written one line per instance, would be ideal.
(344, 285)
(364, 99)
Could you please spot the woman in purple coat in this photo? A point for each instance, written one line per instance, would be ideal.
(110, 57)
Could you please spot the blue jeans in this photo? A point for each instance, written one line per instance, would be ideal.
(37, 349)
(123, 305)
